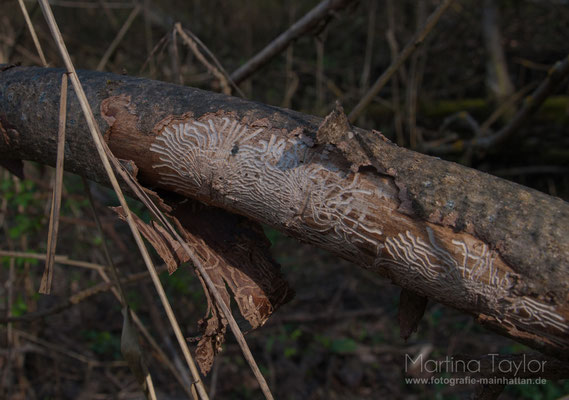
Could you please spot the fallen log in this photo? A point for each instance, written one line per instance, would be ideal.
(483, 245)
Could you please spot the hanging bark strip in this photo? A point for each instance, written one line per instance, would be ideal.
(486, 246)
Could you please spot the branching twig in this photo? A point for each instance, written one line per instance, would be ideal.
(303, 25)
(395, 64)
(191, 43)
(215, 60)
(504, 107)
(556, 75)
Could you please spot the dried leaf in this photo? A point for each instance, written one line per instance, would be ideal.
(167, 247)
(210, 342)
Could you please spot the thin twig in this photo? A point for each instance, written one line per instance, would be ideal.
(120, 35)
(319, 44)
(464, 118)
(364, 80)
(103, 151)
(130, 346)
(292, 80)
(176, 67)
(67, 352)
(503, 108)
(189, 389)
(160, 330)
(110, 16)
(90, 4)
(161, 43)
(58, 259)
(415, 78)
(302, 26)
(215, 60)
(394, 50)
(79, 297)
(148, 37)
(45, 286)
(417, 40)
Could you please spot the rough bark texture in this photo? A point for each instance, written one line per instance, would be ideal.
(483, 245)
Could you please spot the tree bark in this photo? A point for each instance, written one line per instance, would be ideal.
(483, 245)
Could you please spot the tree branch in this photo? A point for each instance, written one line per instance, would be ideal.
(409, 49)
(486, 246)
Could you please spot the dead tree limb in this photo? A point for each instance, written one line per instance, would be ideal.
(299, 28)
(486, 246)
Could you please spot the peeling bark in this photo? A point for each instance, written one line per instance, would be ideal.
(236, 254)
(486, 246)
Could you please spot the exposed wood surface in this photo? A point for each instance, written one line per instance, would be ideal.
(486, 246)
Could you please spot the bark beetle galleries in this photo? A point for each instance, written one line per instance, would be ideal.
(282, 179)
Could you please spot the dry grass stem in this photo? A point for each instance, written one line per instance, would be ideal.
(97, 138)
(45, 286)
(147, 385)
(120, 35)
(32, 32)
(105, 155)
